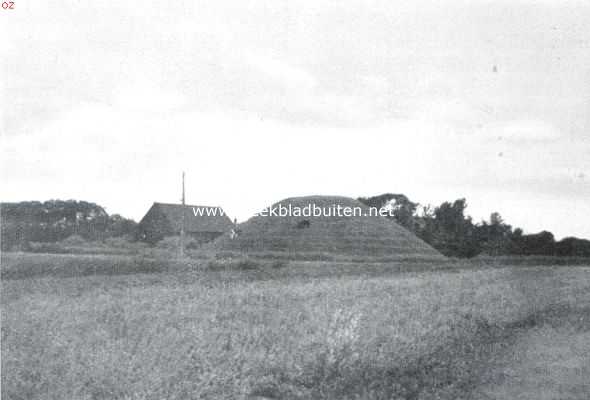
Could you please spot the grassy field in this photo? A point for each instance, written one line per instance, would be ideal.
(120, 327)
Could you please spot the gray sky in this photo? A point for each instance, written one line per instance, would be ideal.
(261, 100)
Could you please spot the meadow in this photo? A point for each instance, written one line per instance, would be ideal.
(132, 327)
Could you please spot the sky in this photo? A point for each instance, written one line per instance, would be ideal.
(260, 100)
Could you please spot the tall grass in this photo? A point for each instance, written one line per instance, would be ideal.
(27, 265)
(394, 336)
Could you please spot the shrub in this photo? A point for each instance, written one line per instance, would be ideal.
(169, 243)
(74, 240)
(173, 243)
(124, 242)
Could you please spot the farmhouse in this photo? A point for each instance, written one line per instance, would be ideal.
(201, 223)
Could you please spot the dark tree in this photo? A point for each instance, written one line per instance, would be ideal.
(450, 231)
(495, 236)
(572, 246)
(542, 243)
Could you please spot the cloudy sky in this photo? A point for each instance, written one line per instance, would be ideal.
(261, 100)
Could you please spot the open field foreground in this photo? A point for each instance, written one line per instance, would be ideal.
(380, 331)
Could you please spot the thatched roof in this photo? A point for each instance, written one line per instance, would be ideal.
(357, 235)
(216, 221)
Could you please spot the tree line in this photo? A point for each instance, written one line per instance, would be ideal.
(55, 220)
(448, 229)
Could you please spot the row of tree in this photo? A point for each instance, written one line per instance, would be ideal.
(55, 220)
(452, 232)
(446, 227)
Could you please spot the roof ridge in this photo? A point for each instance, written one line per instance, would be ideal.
(215, 221)
(185, 205)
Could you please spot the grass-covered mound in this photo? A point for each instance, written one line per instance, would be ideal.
(360, 235)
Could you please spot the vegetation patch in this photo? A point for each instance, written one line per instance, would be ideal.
(420, 335)
(244, 264)
(26, 265)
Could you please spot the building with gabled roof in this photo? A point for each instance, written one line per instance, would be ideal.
(201, 223)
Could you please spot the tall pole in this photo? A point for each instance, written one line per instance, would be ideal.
(182, 221)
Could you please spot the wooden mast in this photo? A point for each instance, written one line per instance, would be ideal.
(181, 249)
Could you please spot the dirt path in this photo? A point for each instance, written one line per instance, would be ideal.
(545, 363)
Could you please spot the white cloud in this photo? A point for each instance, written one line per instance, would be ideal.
(282, 73)
(524, 130)
(145, 95)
